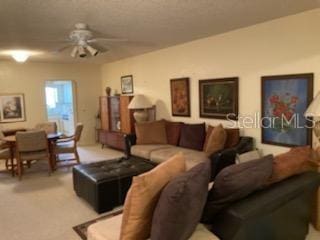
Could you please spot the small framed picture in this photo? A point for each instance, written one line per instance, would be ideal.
(219, 98)
(12, 108)
(127, 84)
(180, 97)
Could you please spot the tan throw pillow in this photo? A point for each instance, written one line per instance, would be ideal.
(233, 137)
(216, 140)
(143, 196)
(151, 132)
(293, 162)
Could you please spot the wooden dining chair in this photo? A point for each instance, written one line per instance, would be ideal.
(68, 145)
(5, 154)
(31, 145)
(48, 127)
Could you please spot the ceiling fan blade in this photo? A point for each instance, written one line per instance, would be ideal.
(107, 40)
(101, 48)
(61, 49)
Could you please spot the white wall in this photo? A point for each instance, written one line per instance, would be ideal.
(283, 46)
(29, 78)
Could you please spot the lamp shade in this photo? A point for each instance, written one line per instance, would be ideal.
(139, 102)
(314, 108)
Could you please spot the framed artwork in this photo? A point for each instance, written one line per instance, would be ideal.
(285, 99)
(12, 108)
(127, 84)
(180, 97)
(219, 98)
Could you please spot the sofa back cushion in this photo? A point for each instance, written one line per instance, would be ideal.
(216, 140)
(173, 130)
(151, 132)
(233, 137)
(192, 136)
(236, 182)
(180, 206)
(143, 196)
(293, 162)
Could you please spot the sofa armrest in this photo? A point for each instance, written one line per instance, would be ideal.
(222, 159)
(245, 145)
(276, 210)
(130, 140)
(227, 157)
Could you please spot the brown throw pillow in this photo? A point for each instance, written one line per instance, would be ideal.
(233, 137)
(173, 130)
(192, 136)
(293, 162)
(181, 203)
(236, 182)
(143, 196)
(216, 140)
(151, 132)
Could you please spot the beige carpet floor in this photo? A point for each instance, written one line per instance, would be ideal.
(43, 207)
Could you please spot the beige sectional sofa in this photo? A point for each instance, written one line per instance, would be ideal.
(159, 153)
(109, 229)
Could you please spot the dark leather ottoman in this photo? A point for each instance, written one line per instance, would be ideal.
(104, 185)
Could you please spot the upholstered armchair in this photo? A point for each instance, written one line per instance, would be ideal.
(48, 127)
(31, 145)
(68, 145)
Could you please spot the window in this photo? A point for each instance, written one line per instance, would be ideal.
(51, 97)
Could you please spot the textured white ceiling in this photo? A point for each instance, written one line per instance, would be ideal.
(147, 24)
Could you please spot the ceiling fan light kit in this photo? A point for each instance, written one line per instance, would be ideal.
(82, 52)
(81, 37)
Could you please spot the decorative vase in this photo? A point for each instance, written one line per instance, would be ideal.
(108, 91)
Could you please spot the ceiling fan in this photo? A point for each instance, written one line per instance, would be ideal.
(82, 40)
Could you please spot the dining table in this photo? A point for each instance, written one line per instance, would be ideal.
(11, 142)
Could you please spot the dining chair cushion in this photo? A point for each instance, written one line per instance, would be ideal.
(4, 153)
(65, 147)
(33, 155)
(31, 141)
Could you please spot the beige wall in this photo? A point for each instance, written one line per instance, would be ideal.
(284, 46)
(29, 78)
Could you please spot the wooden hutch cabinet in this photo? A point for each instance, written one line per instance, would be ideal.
(116, 121)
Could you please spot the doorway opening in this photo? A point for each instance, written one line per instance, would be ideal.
(60, 104)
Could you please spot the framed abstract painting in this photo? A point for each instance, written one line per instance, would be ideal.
(219, 98)
(180, 97)
(285, 99)
(12, 108)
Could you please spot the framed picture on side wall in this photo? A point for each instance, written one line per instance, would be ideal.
(12, 108)
(219, 98)
(285, 99)
(180, 97)
(127, 84)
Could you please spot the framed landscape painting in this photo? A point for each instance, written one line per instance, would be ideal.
(219, 98)
(180, 97)
(12, 108)
(285, 99)
(127, 84)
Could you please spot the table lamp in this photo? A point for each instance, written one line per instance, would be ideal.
(314, 111)
(140, 104)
